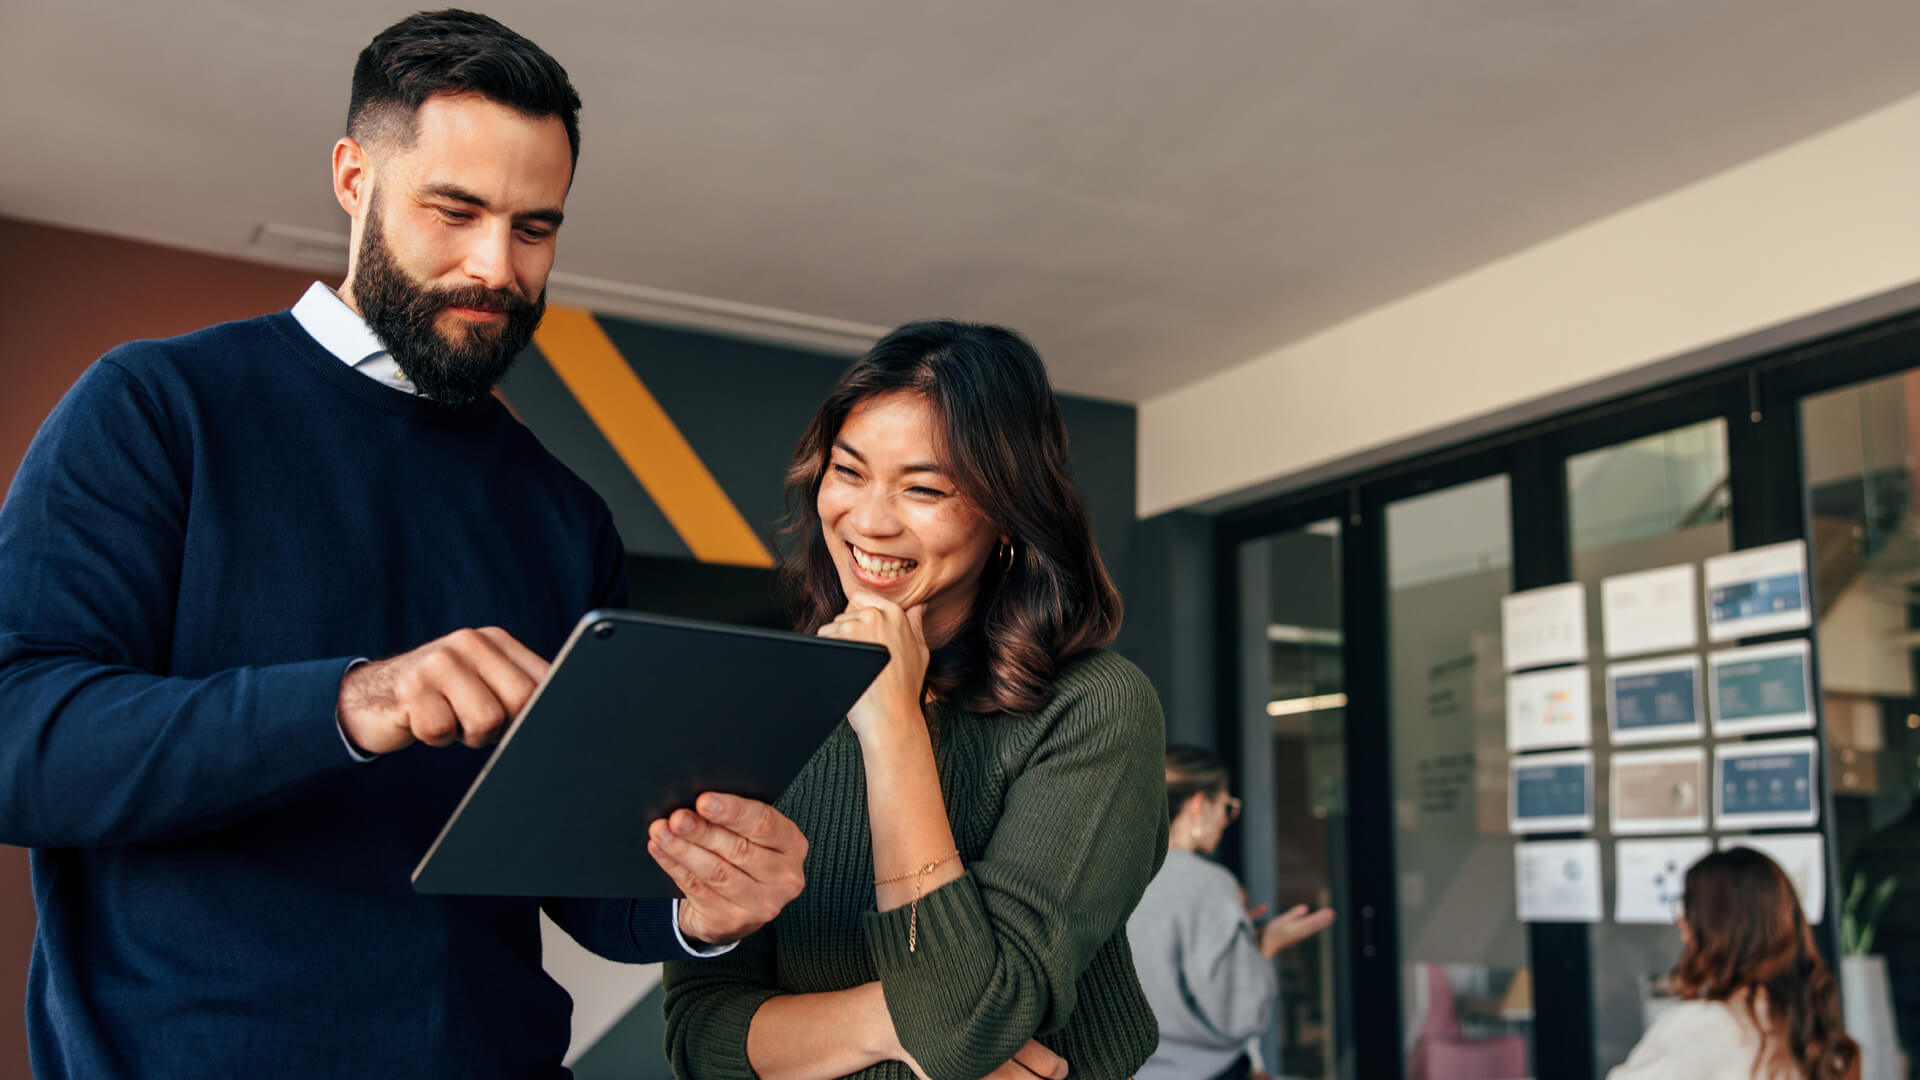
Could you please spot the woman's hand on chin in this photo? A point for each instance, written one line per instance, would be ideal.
(892, 704)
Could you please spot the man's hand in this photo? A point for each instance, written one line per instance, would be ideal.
(737, 862)
(466, 686)
(1295, 925)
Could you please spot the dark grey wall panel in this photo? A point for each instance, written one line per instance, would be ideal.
(1101, 438)
(1170, 620)
(740, 404)
(548, 408)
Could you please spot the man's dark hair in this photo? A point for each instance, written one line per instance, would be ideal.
(455, 52)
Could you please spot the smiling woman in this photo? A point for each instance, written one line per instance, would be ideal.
(892, 519)
(992, 809)
(969, 448)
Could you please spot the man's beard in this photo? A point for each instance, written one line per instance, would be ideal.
(402, 313)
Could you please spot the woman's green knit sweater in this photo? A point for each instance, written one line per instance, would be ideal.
(1061, 818)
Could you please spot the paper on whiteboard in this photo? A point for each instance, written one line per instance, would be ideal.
(1650, 875)
(1550, 792)
(1546, 626)
(1763, 688)
(1549, 709)
(1804, 858)
(1651, 611)
(1655, 700)
(1769, 783)
(1758, 591)
(1558, 881)
(1659, 791)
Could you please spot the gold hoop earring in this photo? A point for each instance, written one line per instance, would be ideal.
(1006, 559)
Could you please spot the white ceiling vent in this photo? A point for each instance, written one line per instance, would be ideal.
(298, 246)
(322, 250)
(709, 313)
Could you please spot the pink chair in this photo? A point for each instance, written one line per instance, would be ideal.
(1441, 1054)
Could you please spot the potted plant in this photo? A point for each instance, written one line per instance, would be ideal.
(1866, 995)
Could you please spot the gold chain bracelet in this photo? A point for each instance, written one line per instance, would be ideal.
(913, 917)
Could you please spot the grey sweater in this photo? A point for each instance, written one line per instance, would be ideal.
(1201, 968)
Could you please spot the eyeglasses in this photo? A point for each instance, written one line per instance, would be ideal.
(1233, 809)
(1677, 907)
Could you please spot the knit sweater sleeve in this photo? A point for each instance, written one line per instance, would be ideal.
(710, 1005)
(97, 744)
(627, 931)
(1000, 948)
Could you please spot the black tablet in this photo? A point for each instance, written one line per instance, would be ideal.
(639, 715)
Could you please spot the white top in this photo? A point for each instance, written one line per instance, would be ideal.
(1702, 1040)
(341, 331)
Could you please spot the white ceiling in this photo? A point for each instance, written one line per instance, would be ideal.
(1153, 191)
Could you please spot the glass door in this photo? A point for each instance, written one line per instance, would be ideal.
(1859, 446)
(1647, 504)
(1466, 988)
(1292, 754)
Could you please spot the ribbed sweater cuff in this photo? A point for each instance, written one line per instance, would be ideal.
(726, 1020)
(650, 926)
(315, 681)
(940, 981)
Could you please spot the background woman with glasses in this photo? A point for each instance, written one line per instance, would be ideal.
(1207, 972)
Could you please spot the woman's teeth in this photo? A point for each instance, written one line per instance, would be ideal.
(882, 567)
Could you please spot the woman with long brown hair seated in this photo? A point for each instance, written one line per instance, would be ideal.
(1757, 1000)
(992, 809)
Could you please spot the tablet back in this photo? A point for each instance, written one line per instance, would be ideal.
(639, 715)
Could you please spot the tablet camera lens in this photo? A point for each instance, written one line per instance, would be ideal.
(603, 630)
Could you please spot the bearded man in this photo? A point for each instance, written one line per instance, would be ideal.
(266, 589)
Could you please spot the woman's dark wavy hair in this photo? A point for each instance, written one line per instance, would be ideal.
(1003, 443)
(1746, 930)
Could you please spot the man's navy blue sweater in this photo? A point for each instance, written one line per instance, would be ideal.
(205, 533)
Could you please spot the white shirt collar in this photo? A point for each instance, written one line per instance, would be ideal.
(342, 332)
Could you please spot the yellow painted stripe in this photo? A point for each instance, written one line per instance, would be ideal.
(645, 437)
